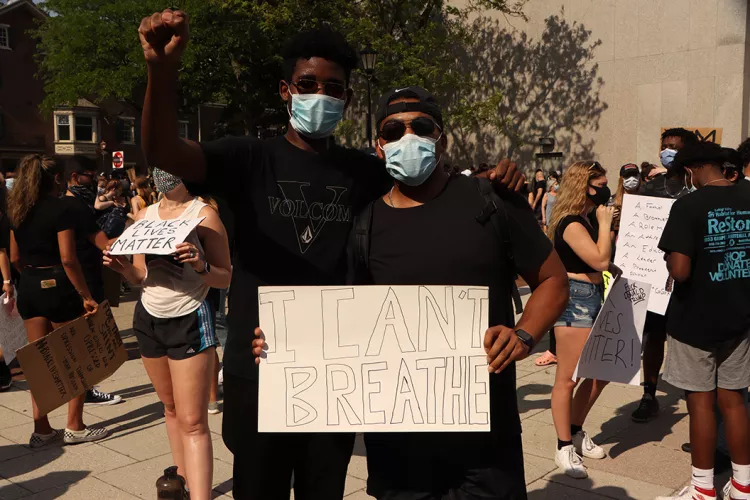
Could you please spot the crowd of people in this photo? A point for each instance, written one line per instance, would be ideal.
(406, 220)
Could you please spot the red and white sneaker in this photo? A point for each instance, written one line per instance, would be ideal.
(735, 491)
(692, 493)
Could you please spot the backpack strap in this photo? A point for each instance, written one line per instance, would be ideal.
(359, 247)
(494, 211)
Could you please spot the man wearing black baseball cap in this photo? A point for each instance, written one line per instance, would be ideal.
(429, 229)
(707, 246)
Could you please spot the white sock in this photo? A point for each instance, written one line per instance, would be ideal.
(741, 474)
(703, 478)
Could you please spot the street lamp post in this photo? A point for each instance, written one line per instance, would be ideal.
(369, 58)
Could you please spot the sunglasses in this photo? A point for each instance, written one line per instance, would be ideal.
(311, 86)
(394, 130)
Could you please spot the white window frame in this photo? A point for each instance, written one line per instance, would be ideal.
(184, 126)
(57, 133)
(94, 125)
(5, 28)
(71, 114)
(130, 119)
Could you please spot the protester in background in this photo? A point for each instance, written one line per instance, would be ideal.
(114, 218)
(537, 193)
(744, 153)
(548, 201)
(173, 323)
(143, 197)
(655, 328)
(90, 240)
(646, 169)
(629, 183)
(6, 378)
(101, 185)
(709, 354)
(585, 250)
(53, 290)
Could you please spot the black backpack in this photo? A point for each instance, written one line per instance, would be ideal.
(493, 211)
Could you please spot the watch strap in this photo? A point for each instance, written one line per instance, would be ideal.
(526, 338)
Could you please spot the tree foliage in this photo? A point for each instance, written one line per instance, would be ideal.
(90, 48)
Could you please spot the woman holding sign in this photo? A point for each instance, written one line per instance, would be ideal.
(584, 246)
(174, 323)
(52, 289)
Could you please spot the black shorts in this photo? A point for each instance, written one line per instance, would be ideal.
(178, 338)
(48, 293)
(263, 462)
(443, 466)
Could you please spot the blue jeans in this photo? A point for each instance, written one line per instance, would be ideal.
(583, 306)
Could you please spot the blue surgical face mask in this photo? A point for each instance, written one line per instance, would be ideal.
(411, 159)
(689, 179)
(667, 157)
(315, 115)
(9, 183)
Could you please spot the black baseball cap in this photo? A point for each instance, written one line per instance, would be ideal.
(701, 154)
(629, 170)
(426, 104)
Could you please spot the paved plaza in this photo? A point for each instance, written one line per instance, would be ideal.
(643, 460)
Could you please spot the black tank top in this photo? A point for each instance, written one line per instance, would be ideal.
(571, 261)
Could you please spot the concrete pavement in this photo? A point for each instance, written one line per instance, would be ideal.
(643, 460)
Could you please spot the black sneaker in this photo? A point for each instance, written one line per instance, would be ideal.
(98, 398)
(6, 379)
(648, 409)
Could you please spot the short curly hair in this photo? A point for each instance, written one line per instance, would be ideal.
(744, 151)
(320, 42)
(687, 136)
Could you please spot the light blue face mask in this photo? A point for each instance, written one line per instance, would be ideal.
(411, 159)
(315, 115)
(9, 182)
(691, 188)
(667, 157)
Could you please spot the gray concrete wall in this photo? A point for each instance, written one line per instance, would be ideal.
(663, 63)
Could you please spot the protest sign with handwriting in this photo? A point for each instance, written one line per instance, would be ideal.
(156, 237)
(72, 359)
(638, 255)
(613, 349)
(374, 358)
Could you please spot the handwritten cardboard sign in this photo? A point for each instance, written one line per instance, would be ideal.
(374, 358)
(643, 220)
(613, 349)
(157, 237)
(72, 359)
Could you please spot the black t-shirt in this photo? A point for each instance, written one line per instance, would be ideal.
(88, 255)
(662, 187)
(571, 261)
(712, 227)
(4, 232)
(293, 212)
(442, 243)
(36, 237)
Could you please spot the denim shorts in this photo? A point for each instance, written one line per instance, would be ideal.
(583, 306)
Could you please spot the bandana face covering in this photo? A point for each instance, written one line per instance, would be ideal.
(165, 182)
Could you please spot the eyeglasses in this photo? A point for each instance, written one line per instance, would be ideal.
(394, 130)
(311, 86)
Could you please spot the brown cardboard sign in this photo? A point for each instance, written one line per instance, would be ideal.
(705, 134)
(72, 359)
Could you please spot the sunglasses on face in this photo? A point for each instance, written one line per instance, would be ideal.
(394, 130)
(312, 86)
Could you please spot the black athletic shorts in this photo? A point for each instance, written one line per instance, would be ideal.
(177, 338)
(48, 293)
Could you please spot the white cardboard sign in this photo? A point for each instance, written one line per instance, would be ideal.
(641, 224)
(156, 237)
(12, 332)
(613, 349)
(374, 359)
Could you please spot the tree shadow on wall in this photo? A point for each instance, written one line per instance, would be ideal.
(526, 88)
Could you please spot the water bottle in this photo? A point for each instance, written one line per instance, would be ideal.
(171, 486)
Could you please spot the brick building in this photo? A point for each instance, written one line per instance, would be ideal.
(78, 129)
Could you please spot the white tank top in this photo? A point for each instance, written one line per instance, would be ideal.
(171, 290)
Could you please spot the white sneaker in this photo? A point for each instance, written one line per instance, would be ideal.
(692, 493)
(734, 491)
(570, 462)
(87, 435)
(586, 447)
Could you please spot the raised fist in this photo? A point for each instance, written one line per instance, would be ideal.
(164, 36)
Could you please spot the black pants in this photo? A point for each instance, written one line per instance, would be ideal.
(263, 462)
(434, 466)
